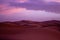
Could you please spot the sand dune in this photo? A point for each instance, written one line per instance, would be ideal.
(30, 30)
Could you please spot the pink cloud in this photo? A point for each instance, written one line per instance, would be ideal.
(22, 1)
(9, 10)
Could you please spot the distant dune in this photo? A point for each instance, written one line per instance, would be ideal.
(25, 27)
(30, 24)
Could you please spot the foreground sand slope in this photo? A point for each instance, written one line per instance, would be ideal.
(31, 34)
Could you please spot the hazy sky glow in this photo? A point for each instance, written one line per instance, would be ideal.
(36, 10)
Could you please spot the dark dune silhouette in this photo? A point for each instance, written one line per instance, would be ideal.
(30, 30)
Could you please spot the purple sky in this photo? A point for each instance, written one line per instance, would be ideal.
(36, 10)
